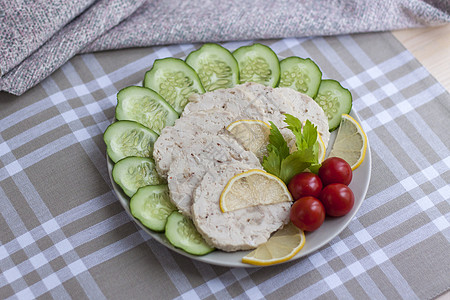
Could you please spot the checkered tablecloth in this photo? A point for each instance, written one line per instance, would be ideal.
(64, 234)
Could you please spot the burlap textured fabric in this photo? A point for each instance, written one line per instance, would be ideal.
(36, 38)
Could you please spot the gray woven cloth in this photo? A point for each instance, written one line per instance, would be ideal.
(38, 37)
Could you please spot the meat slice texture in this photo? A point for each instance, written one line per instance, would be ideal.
(199, 155)
(211, 112)
(239, 101)
(175, 138)
(241, 229)
(256, 101)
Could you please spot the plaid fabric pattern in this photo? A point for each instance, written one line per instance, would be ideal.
(64, 234)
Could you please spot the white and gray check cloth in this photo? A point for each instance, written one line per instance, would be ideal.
(65, 235)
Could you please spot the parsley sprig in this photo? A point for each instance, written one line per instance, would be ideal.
(285, 165)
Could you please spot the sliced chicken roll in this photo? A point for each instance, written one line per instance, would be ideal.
(196, 159)
(241, 229)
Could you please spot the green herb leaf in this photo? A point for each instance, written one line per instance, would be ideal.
(296, 163)
(272, 162)
(309, 134)
(294, 124)
(277, 142)
(314, 168)
(285, 165)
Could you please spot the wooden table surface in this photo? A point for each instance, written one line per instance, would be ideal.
(431, 47)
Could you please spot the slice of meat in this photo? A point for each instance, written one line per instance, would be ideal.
(242, 229)
(212, 112)
(239, 101)
(174, 138)
(256, 101)
(204, 152)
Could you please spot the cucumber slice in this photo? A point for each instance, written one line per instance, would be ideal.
(151, 205)
(216, 67)
(146, 107)
(131, 173)
(174, 80)
(258, 63)
(128, 138)
(181, 233)
(300, 74)
(334, 100)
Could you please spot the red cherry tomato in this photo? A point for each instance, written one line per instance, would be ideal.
(307, 213)
(335, 170)
(338, 199)
(305, 184)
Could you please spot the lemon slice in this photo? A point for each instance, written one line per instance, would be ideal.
(322, 148)
(350, 143)
(253, 135)
(282, 246)
(252, 188)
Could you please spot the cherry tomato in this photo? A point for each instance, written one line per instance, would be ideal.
(335, 170)
(338, 199)
(307, 213)
(305, 184)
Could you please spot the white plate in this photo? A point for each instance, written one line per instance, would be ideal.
(314, 240)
